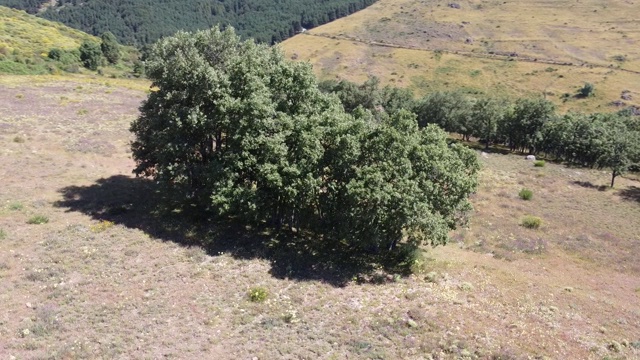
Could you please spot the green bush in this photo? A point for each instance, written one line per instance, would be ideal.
(258, 294)
(16, 206)
(38, 219)
(2, 234)
(531, 222)
(90, 55)
(55, 54)
(587, 90)
(539, 163)
(525, 194)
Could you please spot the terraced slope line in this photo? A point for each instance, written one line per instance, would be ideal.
(512, 48)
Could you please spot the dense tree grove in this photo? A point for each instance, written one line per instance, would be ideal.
(237, 131)
(530, 125)
(139, 22)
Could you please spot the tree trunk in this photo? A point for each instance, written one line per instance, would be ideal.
(613, 177)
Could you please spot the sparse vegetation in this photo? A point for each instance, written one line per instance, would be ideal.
(168, 268)
(539, 163)
(525, 194)
(16, 206)
(258, 294)
(3, 234)
(101, 226)
(38, 220)
(531, 222)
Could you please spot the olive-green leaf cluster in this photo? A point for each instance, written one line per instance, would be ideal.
(90, 55)
(110, 47)
(238, 131)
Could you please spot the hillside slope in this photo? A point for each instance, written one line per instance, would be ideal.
(139, 22)
(28, 35)
(508, 48)
(26, 42)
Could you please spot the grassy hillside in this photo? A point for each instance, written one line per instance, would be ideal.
(29, 35)
(505, 48)
(25, 42)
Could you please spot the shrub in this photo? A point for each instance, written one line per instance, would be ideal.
(90, 55)
(258, 294)
(55, 54)
(110, 48)
(525, 194)
(586, 90)
(2, 234)
(539, 163)
(101, 226)
(38, 219)
(531, 222)
(16, 206)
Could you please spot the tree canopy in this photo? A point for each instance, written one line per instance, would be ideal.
(241, 133)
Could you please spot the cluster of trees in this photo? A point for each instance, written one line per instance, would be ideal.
(140, 22)
(532, 125)
(92, 55)
(238, 132)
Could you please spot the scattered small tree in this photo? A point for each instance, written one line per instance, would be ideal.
(110, 47)
(586, 90)
(90, 55)
(620, 148)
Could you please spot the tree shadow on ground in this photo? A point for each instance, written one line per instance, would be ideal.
(631, 193)
(139, 203)
(590, 185)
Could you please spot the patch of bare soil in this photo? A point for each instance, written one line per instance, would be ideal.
(106, 277)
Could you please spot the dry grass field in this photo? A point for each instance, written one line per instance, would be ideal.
(89, 269)
(507, 48)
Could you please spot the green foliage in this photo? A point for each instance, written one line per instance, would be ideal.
(16, 206)
(55, 54)
(38, 219)
(620, 145)
(522, 128)
(110, 47)
(240, 132)
(531, 222)
(90, 55)
(3, 234)
(539, 163)
(258, 294)
(525, 194)
(602, 140)
(586, 90)
(369, 96)
(449, 110)
(137, 22)
(486, 115)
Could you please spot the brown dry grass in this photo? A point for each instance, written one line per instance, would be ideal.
(76, 288)
(445, 48)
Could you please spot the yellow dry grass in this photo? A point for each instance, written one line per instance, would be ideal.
(505, 48)
(20, 80)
